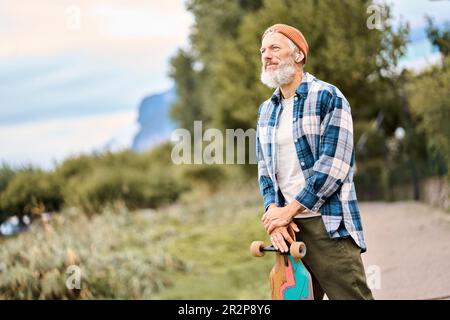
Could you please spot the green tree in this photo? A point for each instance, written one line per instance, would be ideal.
(439, 38)
(216, 22)
(430, 102)
(187, 108)
(343, 51)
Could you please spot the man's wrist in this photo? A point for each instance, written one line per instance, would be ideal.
(294, 208)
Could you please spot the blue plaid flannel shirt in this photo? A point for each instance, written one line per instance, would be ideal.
(323, 136)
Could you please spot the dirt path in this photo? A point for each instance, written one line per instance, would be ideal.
(408, 253)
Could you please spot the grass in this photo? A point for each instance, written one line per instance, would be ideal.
(194, 249)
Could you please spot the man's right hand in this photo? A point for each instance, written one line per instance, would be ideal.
(280, 235)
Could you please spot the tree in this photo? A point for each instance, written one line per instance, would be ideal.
(430, 102)
(343, 51)
(439, 38)
(187, 108)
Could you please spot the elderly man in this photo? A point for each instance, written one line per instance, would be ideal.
(306, 162)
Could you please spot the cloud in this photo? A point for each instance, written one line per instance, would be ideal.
(414, 11)
(44, 142)
(53, 64)
(64, 62)
(96, 27)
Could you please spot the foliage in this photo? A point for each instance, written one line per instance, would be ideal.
(430, 103)
(6, 175)
(192, 249)
(343, 51)
(116, 254)
(93, 182)
(31, 192)
(439, 38)
(223, 62)
(127, 187)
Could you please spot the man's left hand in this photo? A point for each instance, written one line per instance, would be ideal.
(275, 217)
(280, 216)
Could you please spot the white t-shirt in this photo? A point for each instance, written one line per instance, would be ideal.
(289, 174)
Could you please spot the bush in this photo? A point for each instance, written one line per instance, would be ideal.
(6, 175)
(178, 252)
(111, 251)
(31, 192)
(111, 179)
(75, 166)
(211, 176)
(115, 186)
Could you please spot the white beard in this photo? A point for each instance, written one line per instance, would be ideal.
(279, 77)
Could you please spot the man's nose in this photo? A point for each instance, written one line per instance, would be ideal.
(266, 56)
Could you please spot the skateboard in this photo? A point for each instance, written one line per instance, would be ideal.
(289, 278)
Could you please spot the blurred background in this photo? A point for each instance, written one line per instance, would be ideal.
(90, 92)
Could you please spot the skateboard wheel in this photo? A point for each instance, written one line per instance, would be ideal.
(255, 249)
(298, 250)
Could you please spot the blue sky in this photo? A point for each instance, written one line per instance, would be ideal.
(65, 65)
(64, 58)
(420, 51)
(72, 73)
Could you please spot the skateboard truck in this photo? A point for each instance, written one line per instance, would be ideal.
(297, 249)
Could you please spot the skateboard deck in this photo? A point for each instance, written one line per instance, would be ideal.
(289, 278)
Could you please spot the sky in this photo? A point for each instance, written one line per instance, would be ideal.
(72, 73)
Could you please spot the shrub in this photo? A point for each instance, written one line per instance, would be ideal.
(31, 192)
(111, 253)
(211, 176)
(75, 166)
(6, 175)
(115, 186)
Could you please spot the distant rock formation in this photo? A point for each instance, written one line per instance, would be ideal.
(155, 124)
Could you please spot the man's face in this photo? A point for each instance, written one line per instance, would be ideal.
(274, 50)
(278, 66)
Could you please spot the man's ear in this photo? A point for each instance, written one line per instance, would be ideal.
(299, 57)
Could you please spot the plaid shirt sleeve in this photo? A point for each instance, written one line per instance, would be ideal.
(265, 182)
(335, 155)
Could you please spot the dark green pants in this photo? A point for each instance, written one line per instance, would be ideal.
(335, 264)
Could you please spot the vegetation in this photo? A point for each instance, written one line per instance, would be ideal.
(429, 97)
(93, 182)
(221, 69)
(222, 66)
(197, 248)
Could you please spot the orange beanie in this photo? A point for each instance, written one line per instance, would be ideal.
(292, 33)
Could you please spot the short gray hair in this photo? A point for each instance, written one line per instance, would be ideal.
(293, 46)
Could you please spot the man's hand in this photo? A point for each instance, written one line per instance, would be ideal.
(280, 235)
(280, 216)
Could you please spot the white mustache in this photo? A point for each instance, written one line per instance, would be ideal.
(270, 64)
(278, 77)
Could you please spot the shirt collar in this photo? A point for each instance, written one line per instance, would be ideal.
(302, 89)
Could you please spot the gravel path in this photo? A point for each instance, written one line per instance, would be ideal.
(408, 253)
